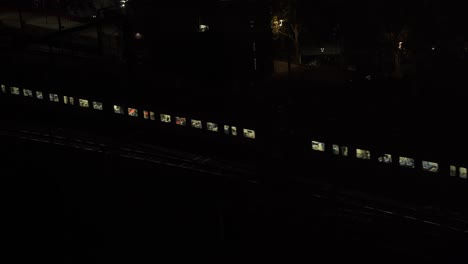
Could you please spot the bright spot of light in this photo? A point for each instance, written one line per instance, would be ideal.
(400, 45)
(122, 3)
(138, 36)
(322, 50)
(203, 28)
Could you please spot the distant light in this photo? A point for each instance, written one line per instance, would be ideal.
(400, 45)
(433, 47)
(281, 22)
(94, 16)
(122, 3)
(322, 50)
(203, 28)
(138, 36)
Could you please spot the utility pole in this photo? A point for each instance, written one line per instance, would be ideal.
(21, 20)
(289, 59)
(99, 31)
(44, 9)
(59, 19)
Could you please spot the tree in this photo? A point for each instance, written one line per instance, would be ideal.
(396, 42)
(285, 23)
(87, 8)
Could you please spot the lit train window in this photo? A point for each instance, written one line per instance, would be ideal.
(15, 90)
(197, 124)
(84, 103)
(386, 158)
(181, 121)
(165, 118)
(3, 88)
(344, 151)
(97, 106)
(72, 100)
(430, 166)
(152, 116)
(406, 162)
(212, 126)
(318, 146)
(363, 154)
(453, 170)
(234, 131)
(249, 133)
(39, 95)
(133, 112)
(227, 130)
(27, 93)
(54, 98)
(463, 173)
(145, 114)
(336, 150)
(118, 109)
(65, 99)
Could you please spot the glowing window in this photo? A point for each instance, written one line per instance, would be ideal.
(133, 112)
(65, 99)
(363, 154)
(386, 158)
(453, 170)
(165, 118)
(145, 114)
(39, 95)
(234, 131)
(15, 90)
(212, 126)
(54, 98)
(344, 151)
(72, 100)
(318, 146)
(430, 166)
(27, 93)
(463, 173)
(152, 116)
(3, 88)
(97, 106)
(406, 162)
(336, 150)
(84, 103)
(118, 109)
(181, 121)
(249, 133)
(197, 124)
(227, 130)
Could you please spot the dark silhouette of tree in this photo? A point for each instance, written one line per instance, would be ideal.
(396, 42)
(285, 23)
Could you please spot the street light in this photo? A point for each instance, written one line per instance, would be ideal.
(123, 3)
(203, 28)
